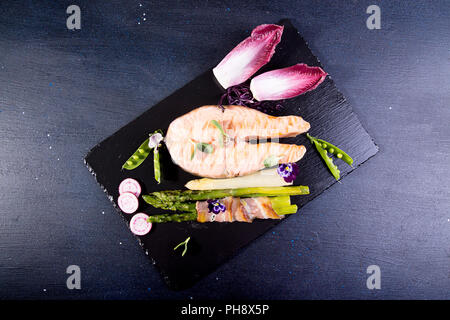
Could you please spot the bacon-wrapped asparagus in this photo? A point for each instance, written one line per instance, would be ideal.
(228, 209)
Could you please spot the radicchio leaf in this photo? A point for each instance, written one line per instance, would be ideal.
(248, 56)
(287, 82)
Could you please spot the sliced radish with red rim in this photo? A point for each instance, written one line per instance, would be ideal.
(128, 202)
(139, 224)
(130, 185)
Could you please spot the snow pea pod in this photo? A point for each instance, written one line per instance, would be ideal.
(137, 157)
(336, 151)
(152, 142)
(323, 147)
(328, 161)
(156, 165)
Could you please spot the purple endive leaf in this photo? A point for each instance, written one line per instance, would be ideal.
(287, 82)
(248, 56)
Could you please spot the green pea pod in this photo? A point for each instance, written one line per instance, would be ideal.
(138, 156)
(156, 165)
(328, 161)
(336, 151)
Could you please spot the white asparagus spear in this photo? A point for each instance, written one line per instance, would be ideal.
(263, 178)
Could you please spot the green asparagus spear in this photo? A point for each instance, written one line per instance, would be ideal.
(286, 210)
(175, 206)
(281, 201)
(178, 217)
(193, 195)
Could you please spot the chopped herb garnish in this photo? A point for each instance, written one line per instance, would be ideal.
(205, 147)
(202, 146)
(185, 242)
(223, 134)
(271, 161)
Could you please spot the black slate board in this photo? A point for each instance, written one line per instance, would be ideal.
(211, 244)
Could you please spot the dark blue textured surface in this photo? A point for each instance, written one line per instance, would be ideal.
(62, 91)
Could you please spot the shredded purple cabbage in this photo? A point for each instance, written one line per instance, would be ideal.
(242, 96)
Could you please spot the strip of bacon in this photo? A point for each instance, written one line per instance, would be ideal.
(238, 209)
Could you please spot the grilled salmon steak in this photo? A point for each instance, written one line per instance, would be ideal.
(215, 143)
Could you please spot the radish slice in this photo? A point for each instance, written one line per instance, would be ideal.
(139, 224)
(128, 202)
(130, 185)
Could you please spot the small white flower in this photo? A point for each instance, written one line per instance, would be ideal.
(154, 140)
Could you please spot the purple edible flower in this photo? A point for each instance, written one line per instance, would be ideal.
(154, 140)
(288, 171)
(214, 206)
(241, 95)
